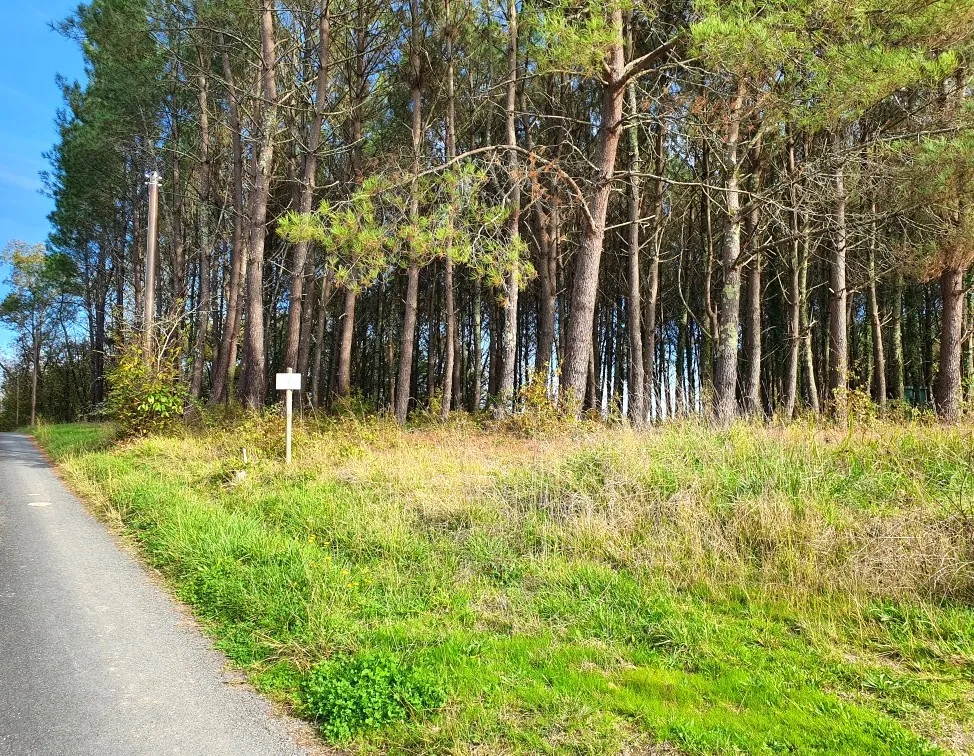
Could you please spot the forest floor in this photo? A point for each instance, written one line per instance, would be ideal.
(587, 590)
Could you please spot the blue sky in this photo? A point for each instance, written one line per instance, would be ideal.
(31, 56)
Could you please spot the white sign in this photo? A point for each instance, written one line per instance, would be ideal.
(289, 381)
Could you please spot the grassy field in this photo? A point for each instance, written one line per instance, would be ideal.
(461, 590)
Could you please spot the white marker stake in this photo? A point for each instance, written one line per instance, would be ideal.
(288, 382)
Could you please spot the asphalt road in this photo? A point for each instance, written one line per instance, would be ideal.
(94, 657)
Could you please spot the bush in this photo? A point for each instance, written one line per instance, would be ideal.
(350, 694)
(143, 397)
(540, 413)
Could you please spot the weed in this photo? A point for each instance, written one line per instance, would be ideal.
(350, 694)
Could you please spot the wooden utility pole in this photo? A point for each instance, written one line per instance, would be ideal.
(150, 264)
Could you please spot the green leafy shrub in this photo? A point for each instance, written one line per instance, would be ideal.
(351, 694)
(144, 396)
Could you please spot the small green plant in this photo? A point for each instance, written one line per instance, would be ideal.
(351, 694)
(144, 397)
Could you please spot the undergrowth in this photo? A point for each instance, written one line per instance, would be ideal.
(353, 694)
(568, 588)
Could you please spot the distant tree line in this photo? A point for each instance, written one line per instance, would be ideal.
(730, 208)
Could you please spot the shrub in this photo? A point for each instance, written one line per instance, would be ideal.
(540, 413)
(351, 694)
(144, 397)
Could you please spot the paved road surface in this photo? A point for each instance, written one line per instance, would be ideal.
(94, 657)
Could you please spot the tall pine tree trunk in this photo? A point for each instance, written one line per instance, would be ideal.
(838, 312)
(795, 294)
(403, 381)
(589, 255)
(449, 352)
(318, 366)
(204, 305)
(652, 394)
(898, 362)
(952, 320)
(343, 370)
(505, 388)
(227, 357)
(476, 397)
(753, 325)
(752, 339)
(255, 390)
(309, 166)
(875, 321)
(729, 313)
(637, 376)
(343, 378)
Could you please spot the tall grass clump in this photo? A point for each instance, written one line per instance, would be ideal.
(796, 513)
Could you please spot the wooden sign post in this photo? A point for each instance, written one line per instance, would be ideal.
(288, 382)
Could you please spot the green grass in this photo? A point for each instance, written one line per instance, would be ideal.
(67, 440)
(682, 590)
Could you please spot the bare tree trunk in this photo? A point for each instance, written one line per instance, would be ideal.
(255, 390)
(589, 256)
(307, 319)
(404, 378)
(952, 320)
(316, 383)
(725, 376)
(403, 382)
(795, 294)
(806, 328)
(879, 354)
(546, 233)
(227, 358)
(710, 331)
(36, 357)
(309, 167)
(505, 389)
(668, 406)
(896, 326)
(449, 343)
(343, 381)
(547, 275)
(752, 330)
(637, 375)
(592, 380)
(651, 394)
(138, 260)
(449, 351)
(752, 339)
(178, 232)
(948, 390)
(343, 372)
(478, 356)
(838, 313)
(681, 405)
(206, 241)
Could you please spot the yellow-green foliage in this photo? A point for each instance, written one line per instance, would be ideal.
(584, 590)
(144, 396)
